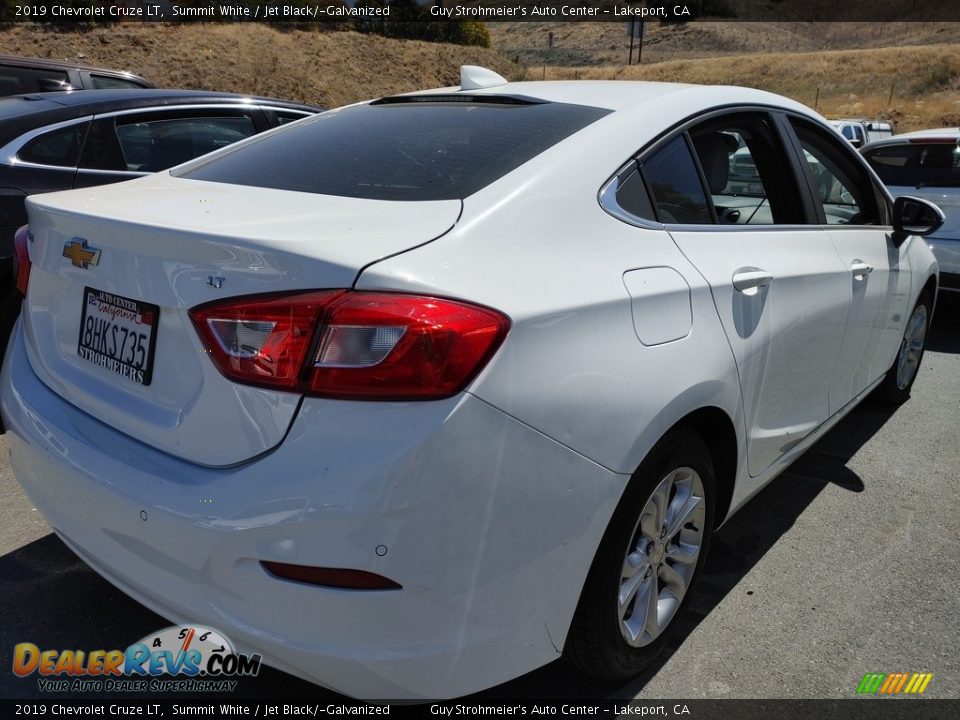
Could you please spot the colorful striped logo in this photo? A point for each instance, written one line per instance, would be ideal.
(894, 683)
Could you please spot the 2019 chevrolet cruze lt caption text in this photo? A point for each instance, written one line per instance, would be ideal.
(420, 394)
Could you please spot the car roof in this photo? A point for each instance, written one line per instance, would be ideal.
(66, 64)
(619, 95)
(127, 98)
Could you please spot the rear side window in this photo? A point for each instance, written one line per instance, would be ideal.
(400, 150)
(674, 183)
(747, 171)
(282, 117)
(101, 151)
(632, 196)
(156, 145)
(60, 148)
(917, 164)
(106, 82)
(852, 132)
(17, 80)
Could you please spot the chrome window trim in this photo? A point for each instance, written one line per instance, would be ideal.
(174, 108)
(681, 227)
(9, 152)
(608, 201)
(101, 171)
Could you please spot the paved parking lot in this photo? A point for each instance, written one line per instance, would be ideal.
(847, 564)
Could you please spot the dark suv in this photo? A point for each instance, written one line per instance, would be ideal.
(29, 75)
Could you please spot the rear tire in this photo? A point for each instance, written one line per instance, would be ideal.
(648, 561)
(896, 386)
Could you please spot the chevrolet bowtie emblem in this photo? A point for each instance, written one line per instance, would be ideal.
(80, 254)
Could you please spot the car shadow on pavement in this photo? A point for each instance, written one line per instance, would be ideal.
(945, 329)
(53, 599)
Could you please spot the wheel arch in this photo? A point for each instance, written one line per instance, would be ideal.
(715, 427)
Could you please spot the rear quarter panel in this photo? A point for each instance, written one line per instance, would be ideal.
(542, 250)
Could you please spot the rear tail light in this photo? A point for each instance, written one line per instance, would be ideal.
(353, 345)
(21, 260)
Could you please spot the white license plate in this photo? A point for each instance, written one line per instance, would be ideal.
(118, 334)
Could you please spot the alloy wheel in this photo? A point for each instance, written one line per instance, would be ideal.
(911, 349)
(661, 559)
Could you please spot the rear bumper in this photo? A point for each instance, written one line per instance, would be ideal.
(489, 526)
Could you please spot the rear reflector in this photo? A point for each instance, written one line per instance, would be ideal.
(21, 260)
(351, 345)
(330, 577)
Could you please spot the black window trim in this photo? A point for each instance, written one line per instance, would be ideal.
(701, 176)
(812, 207)
(607, 195)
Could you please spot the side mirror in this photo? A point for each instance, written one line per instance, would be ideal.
(915, 216)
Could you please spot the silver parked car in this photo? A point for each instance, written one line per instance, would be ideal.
(926, 164)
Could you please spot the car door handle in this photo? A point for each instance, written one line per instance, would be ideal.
(860, 269)
(744, 280)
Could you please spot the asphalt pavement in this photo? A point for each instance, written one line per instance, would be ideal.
(848, 563)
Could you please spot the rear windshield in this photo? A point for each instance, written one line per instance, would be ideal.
(400, 149)
(917, 164)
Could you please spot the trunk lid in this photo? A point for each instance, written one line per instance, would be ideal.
(174, 244)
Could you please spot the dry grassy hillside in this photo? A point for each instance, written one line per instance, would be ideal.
(925, 81)
(327, 68)
(334, 68)
(603, 43)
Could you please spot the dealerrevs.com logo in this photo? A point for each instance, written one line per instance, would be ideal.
(184, 658)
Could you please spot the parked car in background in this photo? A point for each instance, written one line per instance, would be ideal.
(861, 132)
(853, 130)
(62, 140)
(926, 164)
(879, 129)
(420, 394)
(19, 75)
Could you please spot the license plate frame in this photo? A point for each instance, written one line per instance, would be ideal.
(111, 322)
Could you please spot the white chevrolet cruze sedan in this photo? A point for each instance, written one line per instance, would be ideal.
(415, 396)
